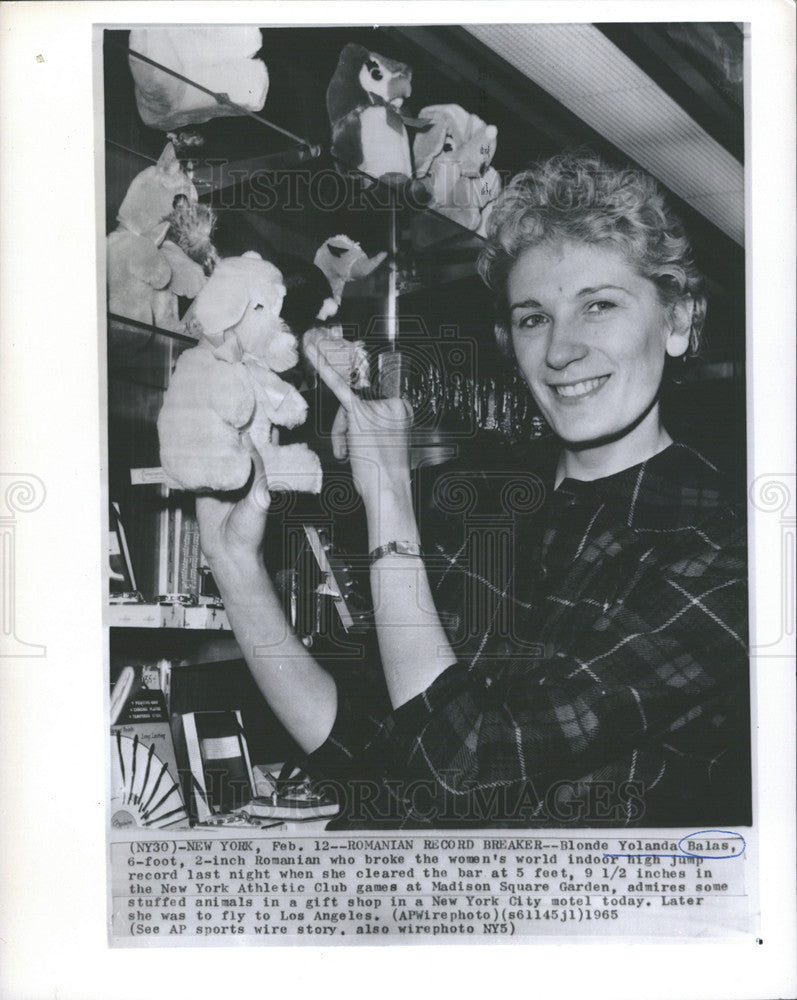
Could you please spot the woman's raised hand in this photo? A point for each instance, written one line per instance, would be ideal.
(232, 525)
(372, 433)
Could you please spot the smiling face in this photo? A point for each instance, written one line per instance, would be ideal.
(590, 336)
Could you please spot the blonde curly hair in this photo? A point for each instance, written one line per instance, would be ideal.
(581, 198)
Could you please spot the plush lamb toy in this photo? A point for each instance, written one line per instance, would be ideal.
(226, 393)
(147, 272)
(453, 159)
(220, 58)
(364, 98)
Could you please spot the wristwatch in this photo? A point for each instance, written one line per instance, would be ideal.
(399, 548)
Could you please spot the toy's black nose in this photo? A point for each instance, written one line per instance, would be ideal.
(180, 200)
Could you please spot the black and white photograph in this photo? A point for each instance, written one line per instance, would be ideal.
(440, 562)
(433, 402)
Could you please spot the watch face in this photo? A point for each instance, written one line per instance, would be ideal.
(408, 548)
(401, 548)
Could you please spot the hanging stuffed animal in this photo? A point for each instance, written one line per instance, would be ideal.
(218, 57)
(313, 291)
(453, 158)
(364, 100)
(226, 394)
(147, 272)
(342, 260)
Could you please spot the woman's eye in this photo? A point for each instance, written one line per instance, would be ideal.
(531, 321)
(602, 306)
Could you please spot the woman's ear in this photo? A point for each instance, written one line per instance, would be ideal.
(680, 327)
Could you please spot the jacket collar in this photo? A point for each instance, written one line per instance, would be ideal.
(674, 488)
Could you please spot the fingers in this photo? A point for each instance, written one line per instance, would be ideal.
(339, 428)
(319, 350)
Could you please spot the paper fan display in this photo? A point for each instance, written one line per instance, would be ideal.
(143, 791)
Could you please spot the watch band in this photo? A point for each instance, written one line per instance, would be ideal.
(399, 548)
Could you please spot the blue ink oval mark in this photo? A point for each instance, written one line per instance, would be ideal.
(702, 833)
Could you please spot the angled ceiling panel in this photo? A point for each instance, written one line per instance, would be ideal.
(589, 75)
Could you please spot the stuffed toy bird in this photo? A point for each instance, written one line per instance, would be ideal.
(226, 395)
(364, 102)
(220, 58)
(452, 159)
(146, 270)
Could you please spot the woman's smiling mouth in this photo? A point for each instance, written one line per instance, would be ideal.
(576, 390)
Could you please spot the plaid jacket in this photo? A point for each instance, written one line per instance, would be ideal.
(602, 671)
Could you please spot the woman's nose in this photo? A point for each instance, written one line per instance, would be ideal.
(565, 345)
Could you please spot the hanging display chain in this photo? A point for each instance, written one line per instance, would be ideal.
(223, 99)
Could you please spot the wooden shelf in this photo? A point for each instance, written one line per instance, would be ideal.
(199, 618)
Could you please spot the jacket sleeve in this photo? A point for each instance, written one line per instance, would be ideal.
(655, 662)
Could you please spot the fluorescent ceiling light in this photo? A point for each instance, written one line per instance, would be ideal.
(590, 76)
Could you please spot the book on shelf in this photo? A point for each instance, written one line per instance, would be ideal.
(181, 572)
(121, 576)
(218, 758)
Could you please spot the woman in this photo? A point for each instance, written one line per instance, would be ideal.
(617, 696)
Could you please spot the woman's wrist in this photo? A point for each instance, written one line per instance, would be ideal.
(391, 516)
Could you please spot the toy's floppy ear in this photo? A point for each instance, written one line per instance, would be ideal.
(219, 306)
(462, 123)
(429, 144)
(485, 135)
(188, 278)
(157, 232)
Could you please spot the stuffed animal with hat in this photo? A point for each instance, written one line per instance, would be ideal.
(147, 263)
(226, 394)
(369, 127)
(452, 159)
